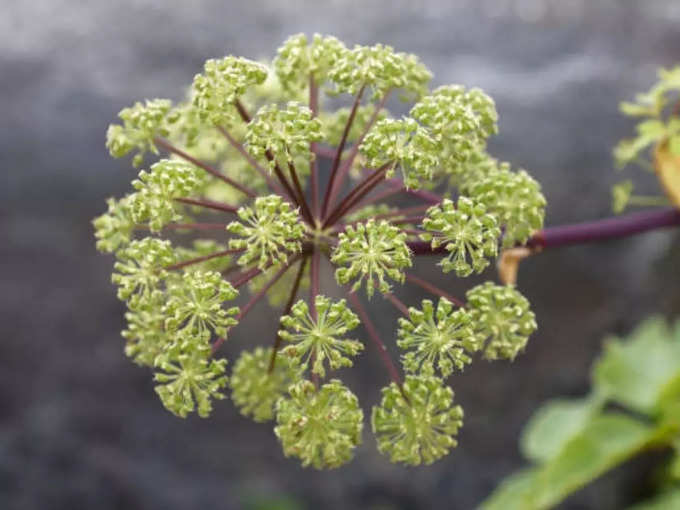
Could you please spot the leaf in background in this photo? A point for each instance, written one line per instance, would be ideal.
(665, 501)
(514, 493)
(606, 441)
(554, 424)
(643, 372)
(667, 164)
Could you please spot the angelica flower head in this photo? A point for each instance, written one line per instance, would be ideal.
(273, 179)
(438, 338)
(418, 422)
(322, 427)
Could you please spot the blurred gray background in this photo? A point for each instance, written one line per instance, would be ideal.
(80, 426)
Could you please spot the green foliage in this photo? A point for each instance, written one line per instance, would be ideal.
(441, 337)
(621, 194)
(189, 380)
(221, 84)
(607, 440)
(142, 122)
(515, 199)
(320, 339)
(154, 201)
(573, 441)
(404, 144)
(268, 233)
(656, 142)
(644, 372)
(284, 133)
(372, 251)
(254, 389)
(417, 423)
(502, 318)
(656, 124)
(322, 427)
(466, 231)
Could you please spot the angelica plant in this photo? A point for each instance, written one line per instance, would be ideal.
(262, 178)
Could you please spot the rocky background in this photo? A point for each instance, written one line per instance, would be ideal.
(80, 426)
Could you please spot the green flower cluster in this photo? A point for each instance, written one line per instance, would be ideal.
(113, 229)
(502, 318)
(267, 233)
(141, 123)
(405, 144)
(190, 380)
(418, 422)
(221, 84)
(241, 196)
(315, 340)
(297, 60)
(515, 200)
(194, 305)
(154, 201)
(460, 120)
(321, 427)
(467, 232)
(283, 133)
(372, 251)
(255, 388)
(441, 338)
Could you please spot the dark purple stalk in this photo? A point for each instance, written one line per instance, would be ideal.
(338, 152)
(398, 303)
(433, 289)
(266, 288)
(170, 148)
(428, 196)
(354, 196)
(208, 204)
(586, 232)
(251, 161)
(198, 260)
(286, 311)
(298, 187)
(355, 148)
(375, 337)
(314, 164)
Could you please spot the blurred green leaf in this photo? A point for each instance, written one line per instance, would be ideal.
(643, 372)
(554, 424)
(665, 501)
(605, 441)
(514, 493)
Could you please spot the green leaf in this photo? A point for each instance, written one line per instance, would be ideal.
(643, 372)
(554, 424)
(513, 493)
(674, 145)
(652, 129)
(664, 501)
(608, 440)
